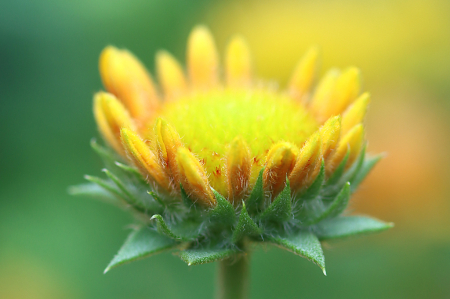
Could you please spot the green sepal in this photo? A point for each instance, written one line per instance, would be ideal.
(200, 256)
(280, 209)
(303, 243)
(128, 196)
(314, 190)
(342, 227)
(132, 171)
(245, 226)
(364, 170)
(223, 212)
(337, 174)
(335, 208)
(105, 185)
(184, 231)
(95, 191)
(108, 157)
(256, 198)
(140, 244)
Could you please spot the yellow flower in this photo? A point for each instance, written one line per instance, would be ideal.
(214, 128)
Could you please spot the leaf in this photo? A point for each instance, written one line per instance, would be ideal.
(280, 210)
(140, 244)
(336, 207)
(184, 230)
(95, 191)
(223, 212)
(342, 227)
(305, 244)
(366, 167)
(245, 226)
(256, 198)
(314, 190)
(206, 255)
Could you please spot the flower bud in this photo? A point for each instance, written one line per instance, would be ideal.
(238, 65)
(170, 74)
(239, 165)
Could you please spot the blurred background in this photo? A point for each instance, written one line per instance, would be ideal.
(53, 245)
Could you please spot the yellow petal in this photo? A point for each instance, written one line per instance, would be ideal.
(304, 74)
(345, 92)
(239, 163)
(330, 133)
(111, 116)
(323, 93)
(167, 142)
(202, 58)
(353, 142)
(170, 74)
(143, 158)
(238, 66)
(193, 178)
(279, 163)
(124, 76)
(355, 113)
(308, 161)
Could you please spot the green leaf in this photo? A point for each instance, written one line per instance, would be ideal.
(342, 227)
(245, 226)
(185, 230)
(305, 244)
(336, 207)
(223, 212)
(280, 210)
(140, 244)
(364, 170)
(256, 198)
(206, 255)
(314, 190)
(95, 191)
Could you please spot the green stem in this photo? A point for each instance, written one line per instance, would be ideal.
(233, 278)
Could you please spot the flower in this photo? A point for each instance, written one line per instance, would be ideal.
(211, 163)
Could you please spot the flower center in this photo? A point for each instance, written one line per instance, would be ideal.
(208, 122)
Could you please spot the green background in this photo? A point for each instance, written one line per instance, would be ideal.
(53, 245)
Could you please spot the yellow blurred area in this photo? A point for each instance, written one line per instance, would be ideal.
(401, 46)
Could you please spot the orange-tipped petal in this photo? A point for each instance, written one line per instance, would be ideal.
(279, 163)
(126, 77)
(202, 58)
(238, 65)
(167, 142)
(111, 116)
(355, 113)
(170, 74)
(352, 142)
(346, 90)
(330, 133)
(323, 94)
(304, 74)
(308, 161)
(193, 178)
(143, 157)
(239, 165)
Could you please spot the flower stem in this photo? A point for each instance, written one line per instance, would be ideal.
(233, 278)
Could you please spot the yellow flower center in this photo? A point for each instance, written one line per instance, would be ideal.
(209, 121)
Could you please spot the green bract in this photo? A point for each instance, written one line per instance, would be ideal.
(296, 223)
